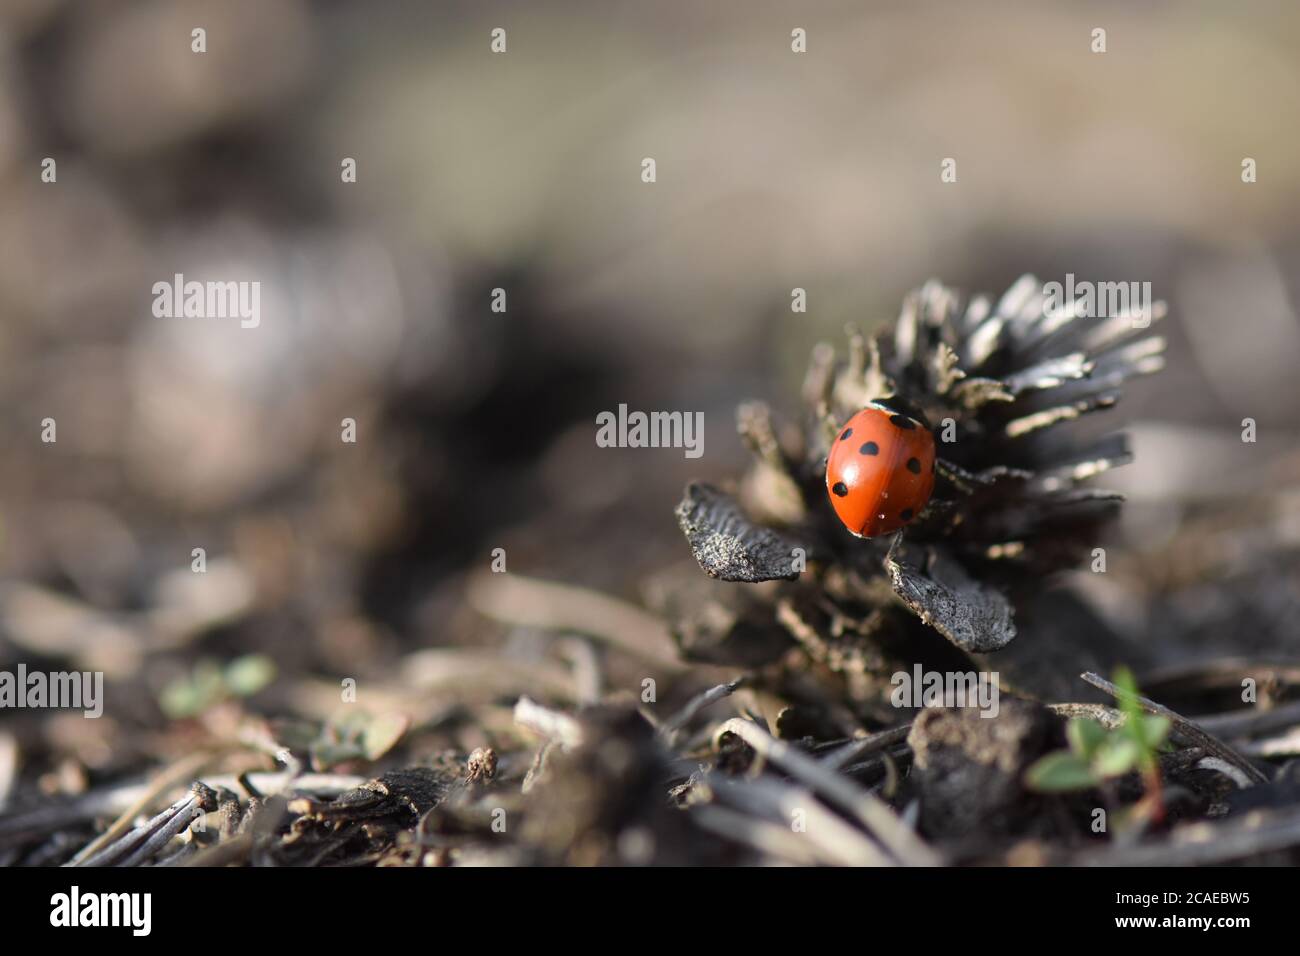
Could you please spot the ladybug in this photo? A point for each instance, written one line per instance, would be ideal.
(880, 470)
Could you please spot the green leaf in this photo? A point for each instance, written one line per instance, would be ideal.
(195, 693)
(325, 756)
(1155, 729)
(247, 675)
(356, 735)
(1060, 771)
(383, 733)
(1085, 736)
(1128, 695)
(1117, 756)
(179, 699)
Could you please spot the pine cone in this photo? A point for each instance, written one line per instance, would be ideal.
(998, 384)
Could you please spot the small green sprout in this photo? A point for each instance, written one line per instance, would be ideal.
(1097, 755)
(210, 683)
(356, 736)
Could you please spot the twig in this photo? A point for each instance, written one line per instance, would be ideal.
(1188, 730)
(271, 782)
(1108, 717)
(587, 677)
(550, 724)
(1287, 745)
(1204, 844)
(841, 757)
(141, 843)
(672, 727)
(838, 841)
(538, 767)
(198, 803)
(1222, 674)
(1225, 768)
(234, 849)
(771, 839)
(1249, 723)
(179, 772)
(872, 812)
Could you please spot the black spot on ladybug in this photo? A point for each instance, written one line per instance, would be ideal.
(848, 432)
(902, 421)
(914, 465)
(898, 405)
(907, 514)
(840, 489)
(870, 448)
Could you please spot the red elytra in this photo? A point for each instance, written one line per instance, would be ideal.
(880, 471)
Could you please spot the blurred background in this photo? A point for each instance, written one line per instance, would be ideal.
(522, 171)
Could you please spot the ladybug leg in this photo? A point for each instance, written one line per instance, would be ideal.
(963, 480)
(917, 556)
(935, 508)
